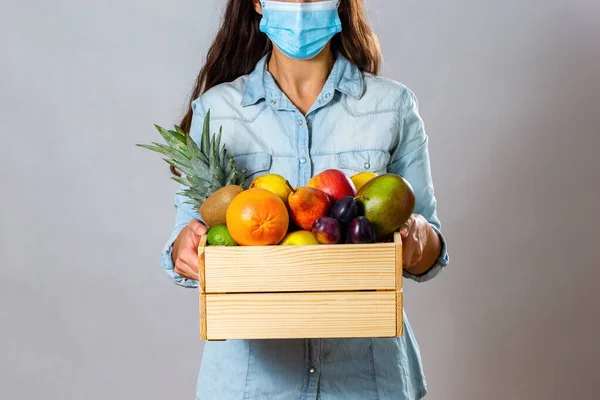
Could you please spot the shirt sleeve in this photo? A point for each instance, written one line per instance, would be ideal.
(410, 158)
(184, 212)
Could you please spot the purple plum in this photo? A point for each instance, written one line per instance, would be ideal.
(346, 209)
(328, 230)
(361, 231)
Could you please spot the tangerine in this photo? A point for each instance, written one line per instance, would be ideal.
(257, 217)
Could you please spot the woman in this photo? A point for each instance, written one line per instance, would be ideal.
(294, 86)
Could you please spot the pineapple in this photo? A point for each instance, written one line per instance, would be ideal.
(204, 169)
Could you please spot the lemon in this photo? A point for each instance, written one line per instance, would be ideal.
(361, 178)
(275, 184)
(219, 236)
(299, 238)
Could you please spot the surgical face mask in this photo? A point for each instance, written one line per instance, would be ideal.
(300, 30)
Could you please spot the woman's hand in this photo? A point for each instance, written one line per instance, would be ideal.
(420, 245)
(185, 249)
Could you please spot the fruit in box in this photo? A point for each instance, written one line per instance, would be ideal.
(388, 201)
(299, 238)
(306, 205)
(219, 236)
(361, 178)
(328, 230)
(257, 217)
(213, 210)
(333, 182)
(346, 209)
(274, 183)
(360, 230)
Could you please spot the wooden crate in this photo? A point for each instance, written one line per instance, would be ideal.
(277, 292)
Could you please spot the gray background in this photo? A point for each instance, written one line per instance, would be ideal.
(509, 90)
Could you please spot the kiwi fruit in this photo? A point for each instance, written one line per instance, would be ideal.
(214, 208)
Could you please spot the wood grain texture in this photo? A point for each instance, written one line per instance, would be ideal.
(203, 322)
(202, 264)
(301, 315)
(247, 269)
(399, 262)
(399, 314)
(399, 294)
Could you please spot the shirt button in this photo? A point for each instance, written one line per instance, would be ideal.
(303, 160)
(311, 370)
(272, 101)
(367, 165)
(300, 122)
(308, 123)
(327, 95)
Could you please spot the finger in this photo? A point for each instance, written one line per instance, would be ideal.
(417, 254)
(405, 229)
(412, 247)
(190, 257)
(197, 227)
(408, 248)
(187, 264)
(186, 271)
(194, 239)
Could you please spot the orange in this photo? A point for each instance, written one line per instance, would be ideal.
(257, 217)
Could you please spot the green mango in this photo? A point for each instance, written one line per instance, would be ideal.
(388, 201)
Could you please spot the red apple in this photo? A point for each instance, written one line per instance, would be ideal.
(333, 182)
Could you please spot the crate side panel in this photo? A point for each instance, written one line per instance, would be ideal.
(300, 268)
(399, 314)
(301, 315)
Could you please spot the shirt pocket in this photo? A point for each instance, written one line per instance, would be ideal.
(354, 162)
(253, 165)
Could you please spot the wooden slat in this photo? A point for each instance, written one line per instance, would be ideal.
(203, 324)
(247, 269)
(399, 294)
(202, 264)
(399, 314)
(301, 315)
(399, 263)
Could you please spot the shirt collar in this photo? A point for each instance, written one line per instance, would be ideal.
(345, 77)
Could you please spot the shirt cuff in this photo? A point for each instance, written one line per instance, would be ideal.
(167, 262)
(437, 267)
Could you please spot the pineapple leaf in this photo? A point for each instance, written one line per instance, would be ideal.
(172, 153)
(178, 135)
(180, 131)
(184, 168)
(195, 204)
(205, 142)
(194, 151)
(181, 180)
(231, 178)
(218, 175)
(229, 167)
(223, 158)
(218, 141)
(199, 183)
(171, 141)
(192, 195)
(150, 147)
(242, 178)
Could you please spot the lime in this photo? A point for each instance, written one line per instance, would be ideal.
(219, 236)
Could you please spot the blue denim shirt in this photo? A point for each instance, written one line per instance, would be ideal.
(359, 122)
